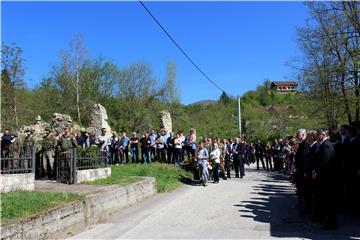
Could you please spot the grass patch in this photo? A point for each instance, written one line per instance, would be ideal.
(168, 177)
(120, 180)
(21, 204)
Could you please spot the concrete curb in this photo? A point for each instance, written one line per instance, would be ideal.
(73, 217)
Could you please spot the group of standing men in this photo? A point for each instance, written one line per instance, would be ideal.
(160, 147)
(327, 173)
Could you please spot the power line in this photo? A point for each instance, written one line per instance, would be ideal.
(180, 48)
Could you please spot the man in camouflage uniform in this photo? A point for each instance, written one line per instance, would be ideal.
(28, 147)
(14, 150)
(48, 152)
(66, 142)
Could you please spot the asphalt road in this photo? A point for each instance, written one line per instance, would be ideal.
(260, 206)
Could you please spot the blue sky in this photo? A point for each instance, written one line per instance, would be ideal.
(237, 44)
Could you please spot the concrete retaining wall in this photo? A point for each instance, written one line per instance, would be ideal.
(73, 217)
(11, 182)
(92, 174)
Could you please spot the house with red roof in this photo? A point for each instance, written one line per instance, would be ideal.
(284, 86)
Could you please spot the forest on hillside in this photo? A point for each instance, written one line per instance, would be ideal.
(327, 71)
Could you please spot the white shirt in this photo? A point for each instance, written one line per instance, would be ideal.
(215, 155)
(106, 142)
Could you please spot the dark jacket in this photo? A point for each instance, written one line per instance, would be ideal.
(326, 162)
(300, 156)
(310, 159)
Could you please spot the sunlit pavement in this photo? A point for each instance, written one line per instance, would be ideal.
(260, 206)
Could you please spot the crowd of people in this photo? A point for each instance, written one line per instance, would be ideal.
(325, 168)
(327, 173)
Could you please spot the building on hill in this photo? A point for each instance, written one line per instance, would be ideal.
(286, 110)
(284, 86)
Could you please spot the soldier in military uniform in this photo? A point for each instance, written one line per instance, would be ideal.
(28, 147)
(14, 150)
(48, 152)
(67, 141)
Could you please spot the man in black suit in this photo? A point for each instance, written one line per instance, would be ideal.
(309, 162)
(300, 156)
(341, 141)
(259, 153)
(354, 153)
(325, 172)
(236, 156)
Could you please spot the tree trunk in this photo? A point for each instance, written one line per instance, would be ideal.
(346, 100)
(15, 107)
(357, 98)
(78, 94)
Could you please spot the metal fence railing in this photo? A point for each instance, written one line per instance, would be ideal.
(19, 163)
(66, 166)
(66, 163)
(85, 160)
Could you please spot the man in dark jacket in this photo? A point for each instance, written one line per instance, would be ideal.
(300, 157)
(354, 153)
(259, 153)
(325, 173)
(309, 162)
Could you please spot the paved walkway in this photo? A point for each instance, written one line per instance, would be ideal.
(260, 206)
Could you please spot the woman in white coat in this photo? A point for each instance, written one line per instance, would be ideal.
(215, 158)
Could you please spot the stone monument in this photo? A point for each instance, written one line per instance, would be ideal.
(62, 121)
(98, 120)
(38, 128)
(165, 121)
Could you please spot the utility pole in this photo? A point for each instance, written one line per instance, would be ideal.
(239, 117)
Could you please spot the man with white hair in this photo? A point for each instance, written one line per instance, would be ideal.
(300, 157)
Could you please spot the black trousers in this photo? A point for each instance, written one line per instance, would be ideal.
(260, 158)
(177, 155)
(228, 166)
(328, 202)
(153, 154)
(307, 191)
(161, 155)
(242, 166)
(268, 163)
(277, 163)
(125, 154)
(170, 155)
(238, 166)
(216, 172)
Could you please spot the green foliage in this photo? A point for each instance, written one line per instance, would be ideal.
(168, 177)
(21, 204)
(224, 98)
(133, 97)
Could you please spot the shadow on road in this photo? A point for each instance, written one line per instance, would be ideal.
(274, 201)
(189, 181)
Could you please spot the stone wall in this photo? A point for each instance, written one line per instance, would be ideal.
(12, 182)
(74, 217)
(92, 174)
